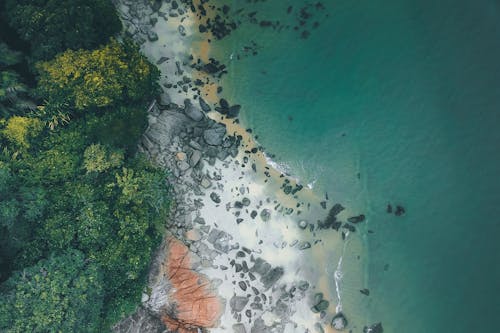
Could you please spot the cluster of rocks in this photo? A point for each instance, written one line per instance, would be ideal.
(227, 110)
(213, 68)
(398, 211)
(302, 19)
(220, 24)
(183, 140)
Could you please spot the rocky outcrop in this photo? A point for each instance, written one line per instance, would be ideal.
(192, 300)
(339, 322)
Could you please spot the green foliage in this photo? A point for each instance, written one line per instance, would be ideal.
(76, 194)
(20, 130)
(8, 57)
(13, 93)
(52, 26)
(98, 159)
(121, 127)
(88, 79)
(60, 294)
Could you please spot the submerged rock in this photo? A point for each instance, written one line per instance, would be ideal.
(356, 219)
(265, 215)
(215, 197)
(320, 306)
(375, 328)
(365, 291)
(303, 224)
(399, 210)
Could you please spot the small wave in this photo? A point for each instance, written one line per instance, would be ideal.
(311, 184)
(338, 278)
(280, 167)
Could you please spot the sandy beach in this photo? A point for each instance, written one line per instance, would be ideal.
(244, 201)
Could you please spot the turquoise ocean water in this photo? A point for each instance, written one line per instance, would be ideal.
(407, 94)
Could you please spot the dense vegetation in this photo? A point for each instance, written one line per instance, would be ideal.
(80, 210)
(52, 26)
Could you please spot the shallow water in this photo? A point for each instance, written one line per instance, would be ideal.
(397, 102)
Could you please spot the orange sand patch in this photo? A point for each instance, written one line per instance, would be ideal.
(196, 303)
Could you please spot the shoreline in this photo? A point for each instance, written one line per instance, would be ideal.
(230, 198)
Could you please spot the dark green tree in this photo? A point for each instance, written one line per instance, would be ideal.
(13, 93)
(53, 26)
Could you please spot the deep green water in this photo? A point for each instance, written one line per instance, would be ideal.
(407, 94)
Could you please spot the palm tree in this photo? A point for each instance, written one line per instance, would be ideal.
(13, 93)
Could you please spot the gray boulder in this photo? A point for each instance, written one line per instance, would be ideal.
(238, 303)
(214, 136)
(265, 215)
(339, 322)
(215, 197)
(272, 277)
(191, 111)
(239, 328)
(152, 36)
(204, 106)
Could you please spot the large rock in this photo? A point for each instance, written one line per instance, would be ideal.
(195, 158)
(204, 106)
(215, 135)
(339, 322)
(233, 111)
(272, 277)
(190, 300)
(238, 303)
(191, 111)
(356, 219)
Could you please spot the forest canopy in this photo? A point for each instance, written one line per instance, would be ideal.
(81, 211)
(53, 26)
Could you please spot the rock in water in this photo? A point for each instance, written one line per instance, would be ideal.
(339, 322)
(365, 291)
(336, 209)
(389, 208)
(304, 245)
(233, 111)
(191, 111)
(375, 328)
(321, 306)
(399, 210)
(215, 197)
(356, 219)
(214, 136)
(265, 215)
(152, 36)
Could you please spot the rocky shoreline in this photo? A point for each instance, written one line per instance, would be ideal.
(232, 258)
